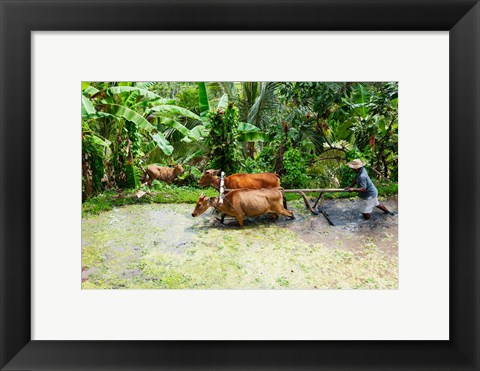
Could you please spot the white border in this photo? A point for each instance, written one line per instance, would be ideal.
(418, 310)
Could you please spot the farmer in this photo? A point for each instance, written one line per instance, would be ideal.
(366, 189)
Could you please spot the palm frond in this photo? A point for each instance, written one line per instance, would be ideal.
(261, 111)
(229, 89)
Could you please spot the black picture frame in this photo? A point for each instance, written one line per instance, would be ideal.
(18, 18)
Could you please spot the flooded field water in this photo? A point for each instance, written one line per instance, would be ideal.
(161, 246)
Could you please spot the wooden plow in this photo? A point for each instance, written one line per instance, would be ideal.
(314, 209)
(319, 199)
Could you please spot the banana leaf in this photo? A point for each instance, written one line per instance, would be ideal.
(122, 89)
(171, 123)
(246, 127)
(176, 110)
(128, 114)
(159, 101)
(163, 143)
(133, 175)
(100, 141)
(342, 131)
(223, 102)
(87, 107)
(251, 133)
(362, 97)
(195, 172)
(199, 132)
(203, 99)
(89, 90)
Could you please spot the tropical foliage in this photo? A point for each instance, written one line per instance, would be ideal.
(305, 131)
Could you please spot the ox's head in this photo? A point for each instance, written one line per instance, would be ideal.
(203, 204)
(177, 170)
(208, 178)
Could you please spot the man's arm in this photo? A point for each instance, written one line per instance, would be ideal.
(362, 185)
(357, 189)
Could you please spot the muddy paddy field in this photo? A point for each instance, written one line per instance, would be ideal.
(161, 246)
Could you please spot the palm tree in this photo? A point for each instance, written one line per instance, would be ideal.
(258, 105)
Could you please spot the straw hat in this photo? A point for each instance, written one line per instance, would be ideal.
(356, 164)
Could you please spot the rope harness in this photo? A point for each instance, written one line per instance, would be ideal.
(222, 189)
(221, 197)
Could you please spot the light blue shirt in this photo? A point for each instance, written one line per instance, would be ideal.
(363, 181)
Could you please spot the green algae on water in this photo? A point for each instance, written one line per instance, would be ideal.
(161, 246)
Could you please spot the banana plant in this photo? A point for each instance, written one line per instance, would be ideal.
(139, 106)
(247, 132)
(134, 112)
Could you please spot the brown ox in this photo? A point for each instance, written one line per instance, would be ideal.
(167, 174)
(245, 202)
(237, 181)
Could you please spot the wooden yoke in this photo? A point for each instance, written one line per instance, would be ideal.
(222, 189)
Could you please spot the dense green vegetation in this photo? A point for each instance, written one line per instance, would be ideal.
(304, 131)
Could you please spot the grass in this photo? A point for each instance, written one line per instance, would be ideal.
(163, 193)
(170, 194)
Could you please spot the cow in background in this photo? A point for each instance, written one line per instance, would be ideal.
(163, 173)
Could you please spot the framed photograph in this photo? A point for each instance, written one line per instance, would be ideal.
(318, 101)
(149, 222)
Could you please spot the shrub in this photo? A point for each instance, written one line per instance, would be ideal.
(252, 166)
(224, 153)
(295, 169)
(266, 158)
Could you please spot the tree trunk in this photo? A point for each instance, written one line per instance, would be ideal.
(279, 164)
(87, 176)
(251, 149)
(385, 167)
